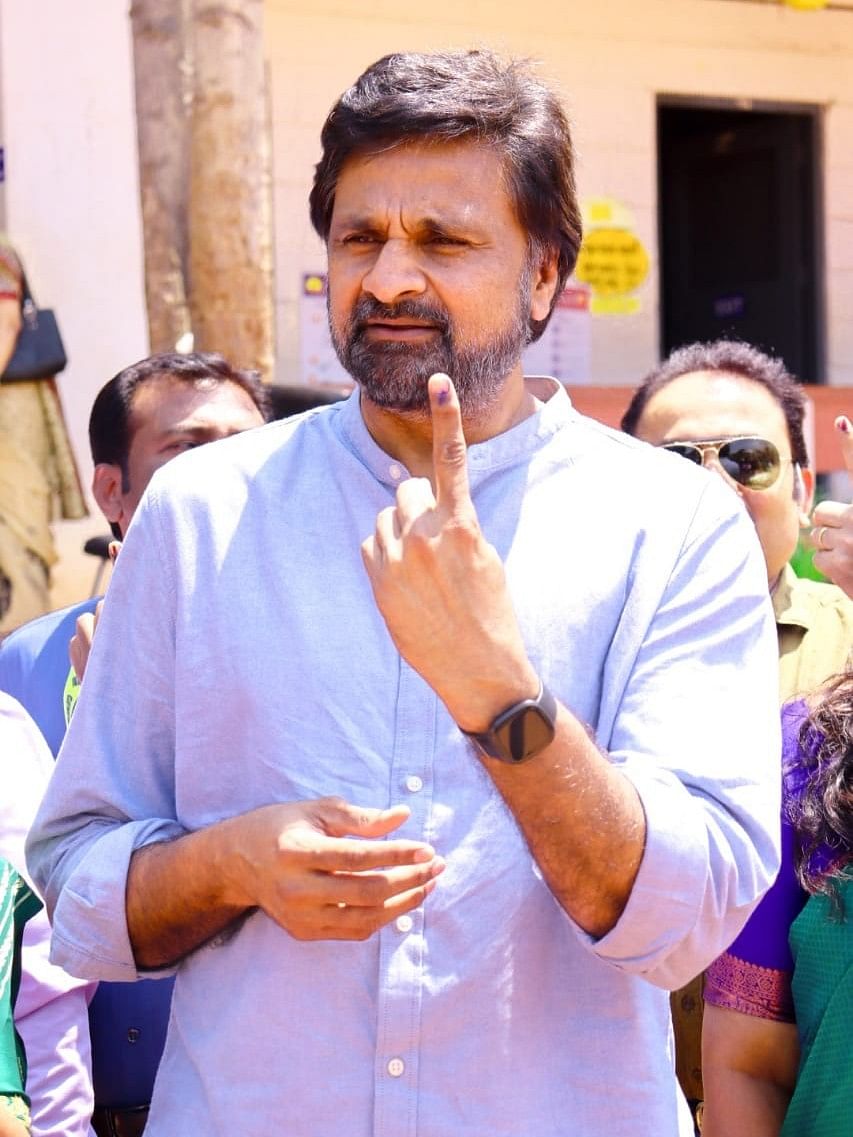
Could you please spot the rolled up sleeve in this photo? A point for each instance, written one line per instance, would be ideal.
(103, 803)
(694, 725)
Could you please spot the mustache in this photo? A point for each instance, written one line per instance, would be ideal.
(368, 308)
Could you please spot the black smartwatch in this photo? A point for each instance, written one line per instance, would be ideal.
(521, 731)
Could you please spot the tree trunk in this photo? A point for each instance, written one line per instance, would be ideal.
(160, 67)
(229, 202)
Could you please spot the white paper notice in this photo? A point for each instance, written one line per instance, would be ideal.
(564, 349)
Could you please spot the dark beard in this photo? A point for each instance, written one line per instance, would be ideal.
(394, 375)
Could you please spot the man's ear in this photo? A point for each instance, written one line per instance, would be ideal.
(545, 277)
(107, 482)
(804, 493)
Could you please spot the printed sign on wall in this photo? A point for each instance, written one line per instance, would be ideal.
(318, 363)
(612, 261)
(563, 350)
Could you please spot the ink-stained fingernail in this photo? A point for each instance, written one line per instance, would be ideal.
(842, 423)
(443, 392)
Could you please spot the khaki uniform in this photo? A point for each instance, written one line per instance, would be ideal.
(815, 625)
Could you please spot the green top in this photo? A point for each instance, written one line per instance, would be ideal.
(822, 985)
(17, 904)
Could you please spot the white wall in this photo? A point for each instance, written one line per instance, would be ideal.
(71, 199)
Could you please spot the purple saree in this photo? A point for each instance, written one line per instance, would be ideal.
(754, 975)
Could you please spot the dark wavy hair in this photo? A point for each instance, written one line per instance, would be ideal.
(822, 814)
(731, 357)
(448, 96)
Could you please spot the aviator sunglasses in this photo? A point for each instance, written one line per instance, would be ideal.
(753, 463)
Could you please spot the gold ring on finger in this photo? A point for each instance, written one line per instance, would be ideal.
(819, 539)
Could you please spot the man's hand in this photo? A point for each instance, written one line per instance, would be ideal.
(80, 643)
(832, 524)
(303, 865)
(318, 868)
(440, 585)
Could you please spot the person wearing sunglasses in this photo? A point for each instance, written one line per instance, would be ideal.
(729, 407)
(738, 412)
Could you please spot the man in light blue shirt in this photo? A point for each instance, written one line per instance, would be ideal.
(441, 739)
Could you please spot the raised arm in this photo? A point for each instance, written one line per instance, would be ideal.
(438, 582)
(832, 523)
(442, 592)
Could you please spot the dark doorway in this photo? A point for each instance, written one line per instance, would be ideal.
(739, 194)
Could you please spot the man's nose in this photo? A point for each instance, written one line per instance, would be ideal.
(395, 273)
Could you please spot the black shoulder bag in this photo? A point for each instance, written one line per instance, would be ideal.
(39, 352)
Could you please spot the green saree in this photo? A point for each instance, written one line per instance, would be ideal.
(822, 945)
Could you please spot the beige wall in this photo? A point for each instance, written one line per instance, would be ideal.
(611, 58)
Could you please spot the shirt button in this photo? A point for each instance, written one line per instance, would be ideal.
(414, 783)
(396, 1067)
(395, 471)
(404, 923)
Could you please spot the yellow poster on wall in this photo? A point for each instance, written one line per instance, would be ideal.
(612, 261)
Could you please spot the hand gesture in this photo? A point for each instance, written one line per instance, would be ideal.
(80, 643)
(318, 869)
(832, 524)
(440, 585)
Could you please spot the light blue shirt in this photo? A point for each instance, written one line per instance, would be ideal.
(34, 666)
(256, 668)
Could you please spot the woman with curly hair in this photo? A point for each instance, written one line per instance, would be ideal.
(778, 1027)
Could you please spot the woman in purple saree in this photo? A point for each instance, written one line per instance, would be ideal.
(778, 1028)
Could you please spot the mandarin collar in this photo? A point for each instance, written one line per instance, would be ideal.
(504, 449)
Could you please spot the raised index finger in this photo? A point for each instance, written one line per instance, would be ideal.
(449, 452)
(845, 437)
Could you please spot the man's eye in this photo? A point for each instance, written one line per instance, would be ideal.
(444, 239)
(360, 239)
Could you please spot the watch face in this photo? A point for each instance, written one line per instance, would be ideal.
(526, 733)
